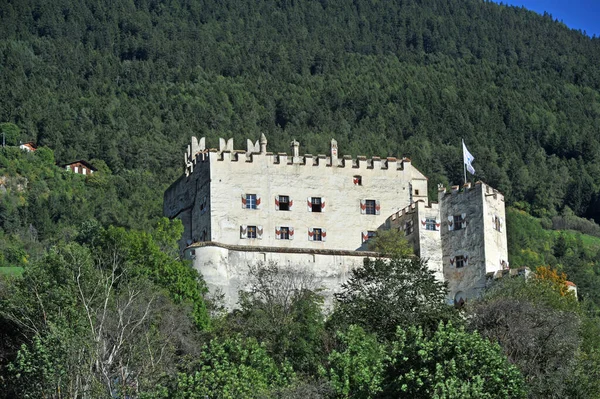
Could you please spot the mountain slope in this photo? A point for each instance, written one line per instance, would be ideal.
(130, 82)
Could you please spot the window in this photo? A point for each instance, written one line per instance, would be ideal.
(317, 235)
(284, 233)
(460, 261)
(251, 201)
(416, 192)
(370, 207)
(409, 227)
(458, 221)
(430, 224)
(251, 232)
(367, 235)
(498, 222)
(284, 203)
(316, 204)
(357, 180)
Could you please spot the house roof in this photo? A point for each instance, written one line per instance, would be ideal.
(30, 144)
(84, 163)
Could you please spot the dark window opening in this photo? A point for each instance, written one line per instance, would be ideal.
(251, 232)
(284, 233)
(371, 234)
(250, 201)
(416, 192)
(409, 227)
(430, 224)
(317, 235)
(460, 261)
(284, 203)
(457, 222)
(316, 204)
(370, 207)
(357, 180)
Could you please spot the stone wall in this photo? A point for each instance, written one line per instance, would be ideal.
(225, 267)
(225, 176)
(188, 199)
(411, 220)
(477, 241)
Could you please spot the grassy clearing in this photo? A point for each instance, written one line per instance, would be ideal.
(11, 271)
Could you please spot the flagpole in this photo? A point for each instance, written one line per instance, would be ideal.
(464, 164)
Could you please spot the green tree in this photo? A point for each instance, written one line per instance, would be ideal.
(90, 329)
(390, 243)
(10, 132)
(357, 369)
(542, 332)
(452, 363)
(232, 368)
(386, 293)
(145, 254)
(282, 308)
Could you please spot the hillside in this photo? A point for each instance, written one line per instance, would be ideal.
(129, 83)
(95, 301)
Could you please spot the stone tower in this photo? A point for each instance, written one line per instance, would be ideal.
(473, 237)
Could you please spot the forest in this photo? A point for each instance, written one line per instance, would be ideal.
(94, 299)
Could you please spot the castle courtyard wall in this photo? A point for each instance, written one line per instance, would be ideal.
(225, 267)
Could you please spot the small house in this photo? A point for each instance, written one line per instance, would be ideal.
(80, 167)
(29, 146)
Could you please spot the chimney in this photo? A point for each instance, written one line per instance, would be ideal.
(334, 153)
(263, 144)
(295, 149)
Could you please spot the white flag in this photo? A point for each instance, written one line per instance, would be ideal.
(468, 159)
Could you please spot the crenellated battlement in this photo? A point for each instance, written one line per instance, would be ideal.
(478, 186)
(322, 209)
(197, 152)
(412, 208)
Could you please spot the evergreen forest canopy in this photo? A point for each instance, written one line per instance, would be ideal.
(129, 82)
(94, 299)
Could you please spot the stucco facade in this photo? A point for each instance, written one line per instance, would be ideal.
(420, 224)
(210, 201)
(318, 212)
(225, 267)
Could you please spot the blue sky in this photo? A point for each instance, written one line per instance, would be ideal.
(576, 14)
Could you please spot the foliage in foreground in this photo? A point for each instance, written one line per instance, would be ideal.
(385, 294)
(452, 363)
(550, 337)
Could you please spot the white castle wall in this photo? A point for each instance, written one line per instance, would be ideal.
(188, 199)
(225, 176)
(426, 243)
(208, 200)
(225, 268)
(341, 217)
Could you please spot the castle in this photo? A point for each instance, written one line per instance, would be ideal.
(318, 213)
